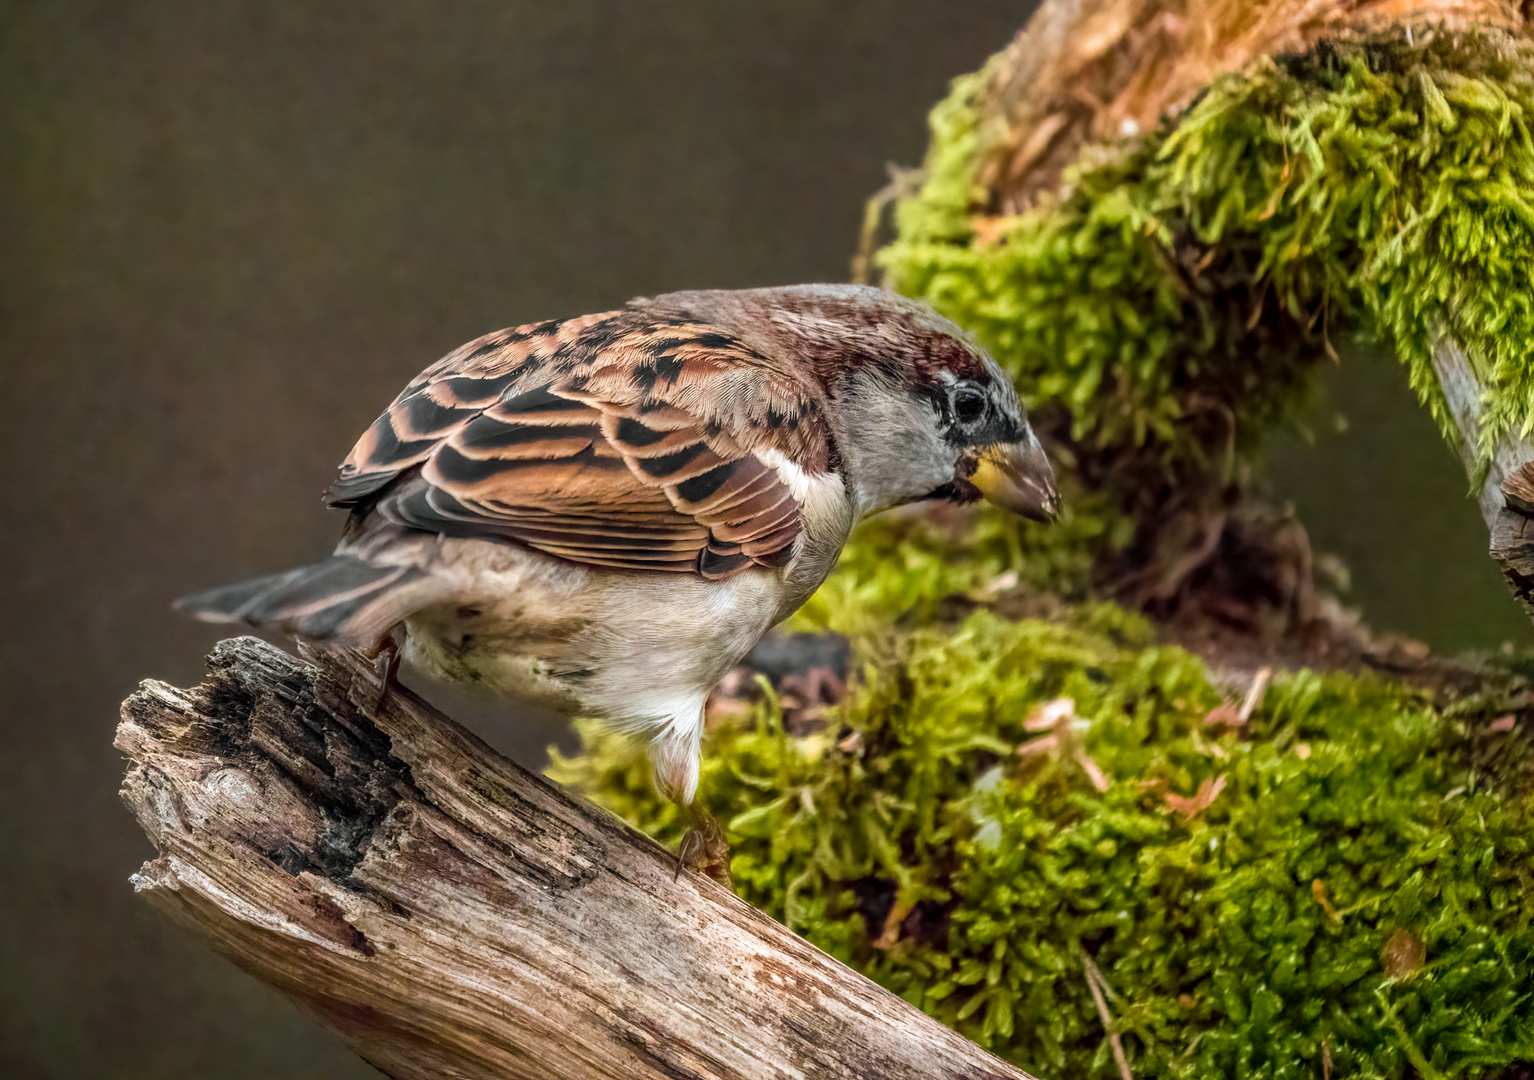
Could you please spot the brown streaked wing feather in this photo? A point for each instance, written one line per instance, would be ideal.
(614, 440)
(455, 389)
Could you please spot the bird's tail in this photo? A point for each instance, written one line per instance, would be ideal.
(345, 599)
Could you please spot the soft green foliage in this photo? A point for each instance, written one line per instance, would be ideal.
(1384, 187)
(1209, 931)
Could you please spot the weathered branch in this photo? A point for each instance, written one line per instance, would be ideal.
(1507, 495)
(451, 915)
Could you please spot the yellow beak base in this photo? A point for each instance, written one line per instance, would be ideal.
(1018, 477)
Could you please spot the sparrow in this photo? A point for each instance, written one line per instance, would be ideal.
(604, 514)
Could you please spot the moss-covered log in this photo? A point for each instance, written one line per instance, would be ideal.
(1164, 298)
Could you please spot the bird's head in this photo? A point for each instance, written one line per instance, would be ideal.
(916, 410)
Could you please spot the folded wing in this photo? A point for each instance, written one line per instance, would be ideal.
(620, 443)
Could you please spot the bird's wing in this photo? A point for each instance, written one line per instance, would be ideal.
(622, 440)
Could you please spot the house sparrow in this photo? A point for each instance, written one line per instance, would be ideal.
(604, 514)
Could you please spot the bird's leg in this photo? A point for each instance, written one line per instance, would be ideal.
(674, 761)
(703, 847)
(385, 668)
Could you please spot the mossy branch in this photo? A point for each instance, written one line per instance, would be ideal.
(1164, 293)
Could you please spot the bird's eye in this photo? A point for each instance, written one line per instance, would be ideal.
(968, 404)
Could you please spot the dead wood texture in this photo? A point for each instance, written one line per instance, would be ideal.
(452, 915)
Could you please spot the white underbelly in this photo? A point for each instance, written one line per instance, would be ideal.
(638, 649)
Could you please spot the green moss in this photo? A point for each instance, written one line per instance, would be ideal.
(1385, 188)
(1004, 870)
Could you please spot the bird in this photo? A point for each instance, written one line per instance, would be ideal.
(604, 514)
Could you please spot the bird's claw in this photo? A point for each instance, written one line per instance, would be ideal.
(385, 668)
(704, 849)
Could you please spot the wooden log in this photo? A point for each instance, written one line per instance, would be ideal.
(452, 915)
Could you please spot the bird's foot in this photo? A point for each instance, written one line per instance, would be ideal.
(385, 668)
(704, 848)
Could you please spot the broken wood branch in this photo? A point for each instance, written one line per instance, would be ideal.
(451, 915)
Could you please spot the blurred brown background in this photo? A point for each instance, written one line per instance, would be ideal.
(229, 232)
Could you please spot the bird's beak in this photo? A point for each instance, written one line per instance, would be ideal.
(1019, 477)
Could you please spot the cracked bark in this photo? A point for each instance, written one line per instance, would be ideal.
(450, 915)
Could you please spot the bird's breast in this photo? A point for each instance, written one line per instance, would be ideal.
(628, 646)
(826, 517)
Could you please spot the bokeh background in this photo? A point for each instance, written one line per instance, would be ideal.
(230, 231)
